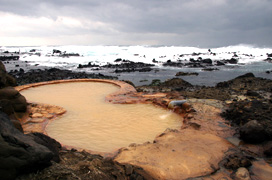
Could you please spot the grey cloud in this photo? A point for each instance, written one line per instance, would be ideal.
(194, 22)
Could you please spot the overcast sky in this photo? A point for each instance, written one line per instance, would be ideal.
(200, 23)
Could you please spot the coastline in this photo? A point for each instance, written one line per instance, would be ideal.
(241, 90)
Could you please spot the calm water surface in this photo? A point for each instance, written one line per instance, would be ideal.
(93, 124)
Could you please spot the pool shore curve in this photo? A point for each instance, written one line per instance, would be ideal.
(126, 94)
(125, 88)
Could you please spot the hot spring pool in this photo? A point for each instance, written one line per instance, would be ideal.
(92, 123)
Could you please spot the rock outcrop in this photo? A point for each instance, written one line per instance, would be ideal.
(5, 78)
(177, 154)
(20, 153)
(11, 101)
(37, 75)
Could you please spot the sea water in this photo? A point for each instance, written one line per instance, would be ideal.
(250, 59)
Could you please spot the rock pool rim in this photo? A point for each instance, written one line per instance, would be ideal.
(125, 90)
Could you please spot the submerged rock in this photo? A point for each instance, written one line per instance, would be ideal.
(187, 74)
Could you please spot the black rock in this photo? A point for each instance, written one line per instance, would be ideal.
(34, 76)
(208, 61)
(53, 145)
(253, 132)
(210, 69)
(10, 96)
(269, 60)
(118, 60)
(268, 149)
(219, 63)
(237, 160)
(186, 74)
(18, 152)
(252, 93)
(247, 75)
(232, 61)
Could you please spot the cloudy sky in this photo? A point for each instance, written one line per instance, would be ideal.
(201, 23)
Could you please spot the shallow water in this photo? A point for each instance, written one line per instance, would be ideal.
(93, 124)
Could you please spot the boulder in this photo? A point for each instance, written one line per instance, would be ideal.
(253, 132)
(19, 153)
(268, 149)
(6, 106)
(236, 160)
(177, 82)
(186, 74)
(207, 61)
(232, 61)
(17, 101)
(242, 174)
(5, 78)
(219, 63)
(2, 75)
(53, 145)
(17, 124)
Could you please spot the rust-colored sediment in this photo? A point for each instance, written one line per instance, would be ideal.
(40, 115)
(200, 144)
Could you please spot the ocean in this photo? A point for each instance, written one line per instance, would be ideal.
(250, 59)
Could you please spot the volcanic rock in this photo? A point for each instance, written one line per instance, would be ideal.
(48, 142)
(232, 61)
(177, 82)
(5, 78)
(34, 76)
(82, 165)
(186, 74)
(210, 69)
(207, 61)
(18, 152)
(253, 132)
(236, 160)
(13, 99)
(242, 174)
(177, 154)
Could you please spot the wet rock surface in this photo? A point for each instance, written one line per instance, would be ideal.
(187, 74)
(122, 66)
(199, 62)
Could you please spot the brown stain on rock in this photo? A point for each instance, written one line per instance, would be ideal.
(177, 154)
(193, 151)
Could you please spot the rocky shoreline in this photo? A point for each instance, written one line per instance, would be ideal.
(238, 110)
